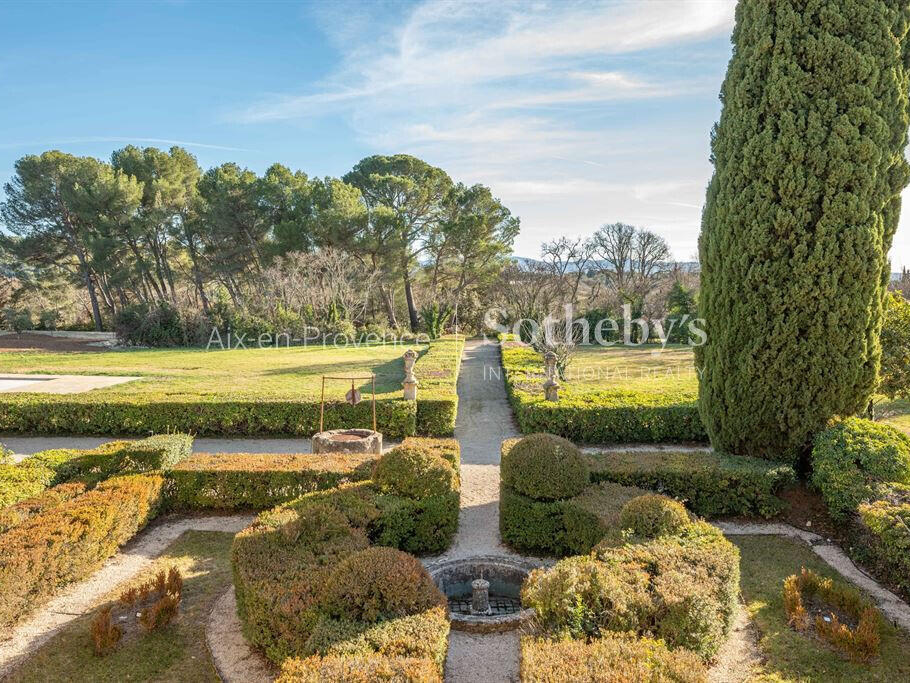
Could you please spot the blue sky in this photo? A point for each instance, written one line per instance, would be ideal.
(576, 114)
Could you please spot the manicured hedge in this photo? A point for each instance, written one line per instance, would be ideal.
(711, 484)
(289, 592)
(611, 659)
(437, 397)
(617, 416)
(543, 526)
(257, 481)
(680, 588)
(204, 415)
(853, 457)
(69, 541)
(33, 474)
(882, 535)
(42, 502)
(365, 668)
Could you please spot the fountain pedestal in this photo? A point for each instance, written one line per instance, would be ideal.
(480, 597)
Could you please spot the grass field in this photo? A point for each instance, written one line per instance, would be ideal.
(651, 370)
(177, 652)
(277, 373)
(790, 656)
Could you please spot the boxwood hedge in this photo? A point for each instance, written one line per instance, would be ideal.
(615, 416)
(285, 562)
(71, 539)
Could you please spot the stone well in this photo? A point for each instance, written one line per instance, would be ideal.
(350, 441)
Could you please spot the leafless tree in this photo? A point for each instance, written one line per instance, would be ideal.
(567, 260)
(630, 259)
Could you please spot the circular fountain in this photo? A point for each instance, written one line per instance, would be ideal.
(349, 441)
(484, 592)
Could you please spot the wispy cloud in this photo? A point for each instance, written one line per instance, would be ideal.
(509, 94)
(124, 139)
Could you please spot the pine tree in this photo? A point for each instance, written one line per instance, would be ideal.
(800, 214)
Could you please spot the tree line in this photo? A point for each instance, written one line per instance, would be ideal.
(151, 229)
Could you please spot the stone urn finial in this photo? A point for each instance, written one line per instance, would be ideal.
(551, 386)
(410, 380)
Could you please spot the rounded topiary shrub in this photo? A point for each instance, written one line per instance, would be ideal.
(852, 458)
(653, 515)
(545, 467)
(414, 472)
(380, 583)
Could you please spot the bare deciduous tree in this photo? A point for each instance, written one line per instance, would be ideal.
(630, 259)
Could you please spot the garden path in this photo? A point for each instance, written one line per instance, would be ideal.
(79, 598)
(484, 420)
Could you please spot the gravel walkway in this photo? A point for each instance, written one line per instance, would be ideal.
(77, 599)
(484, 420)
(234, 659)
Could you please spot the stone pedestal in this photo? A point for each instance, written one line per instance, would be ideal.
(480, 597)
(410, 379)
(551, 386)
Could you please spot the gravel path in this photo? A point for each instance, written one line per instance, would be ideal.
(234, 659)
(77, 599)
(484, 420)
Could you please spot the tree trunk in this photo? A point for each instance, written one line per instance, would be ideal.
(93, 297)
(412, 309)
(389, 306)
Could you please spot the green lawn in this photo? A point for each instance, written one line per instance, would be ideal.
(791, 656)
(277, 373)
(176, 653)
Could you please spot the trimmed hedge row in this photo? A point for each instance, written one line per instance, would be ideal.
(70, 540)
(42, 502)
(289, 591)
(607, 660)
(257, 481)
(711, 484)
(682, 588)
(618, 416)
(204, 415)
(437, 395)
(35, 473)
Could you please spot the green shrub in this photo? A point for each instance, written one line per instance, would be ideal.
(447, 449)
(378, 584)
(711, 484)
(653, 515)
(245, 480)
(611, 659)
(414, 472)
(562, 527)
(545, 467)
(682, 589)
(882, 535)
(424, 526)
(437, 371)
(599, 417)
(203, 416)
(19, 483)
(6, 455)
(853, 457)
(371, 667)
(69, 541)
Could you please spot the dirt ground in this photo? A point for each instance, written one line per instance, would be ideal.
(40, 342)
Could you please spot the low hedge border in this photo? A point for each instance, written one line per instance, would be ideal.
(598, 417)
(611, 658)
(437, 392)
(256, 481)
(203, 416)
(711, 484)
(282, 564)
(33, 474)
(70, 540)
(682, 588)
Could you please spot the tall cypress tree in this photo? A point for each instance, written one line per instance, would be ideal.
(800, 214)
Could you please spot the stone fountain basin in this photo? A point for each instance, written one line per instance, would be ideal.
(348, 441)
(506, 576)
